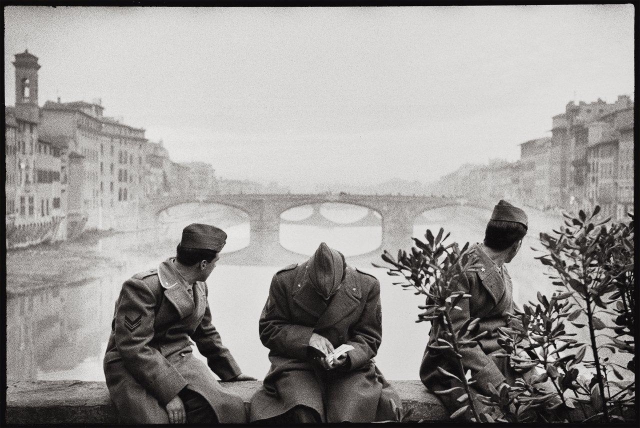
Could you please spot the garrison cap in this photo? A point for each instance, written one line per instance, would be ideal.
(326, 269)
(504, 211)
(203, 237)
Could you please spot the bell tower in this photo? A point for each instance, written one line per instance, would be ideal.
(27, 86)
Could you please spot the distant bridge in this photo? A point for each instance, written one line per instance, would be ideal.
(397, 214)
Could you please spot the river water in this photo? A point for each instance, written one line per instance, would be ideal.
(60, 333)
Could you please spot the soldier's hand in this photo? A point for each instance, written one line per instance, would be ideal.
(175, 410)
(240, 378)
(321, 343)
(341, 360)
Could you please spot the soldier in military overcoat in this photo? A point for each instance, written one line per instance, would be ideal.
(491, 290)
(323, 303)
(151, 373)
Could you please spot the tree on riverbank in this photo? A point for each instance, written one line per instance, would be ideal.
(593, 263)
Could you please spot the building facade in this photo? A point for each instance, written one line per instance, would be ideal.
(105, 160)
(610, 164)
(32, 183)
(535, 173)
(570, 142)
(157, 179)
(202, 178)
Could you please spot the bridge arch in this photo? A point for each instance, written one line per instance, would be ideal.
(397, 214)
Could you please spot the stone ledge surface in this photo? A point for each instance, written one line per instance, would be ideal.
(77, 402)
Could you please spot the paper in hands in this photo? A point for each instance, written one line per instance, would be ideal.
(332, 357)
(342, 349)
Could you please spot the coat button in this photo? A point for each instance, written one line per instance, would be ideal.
(298, 285)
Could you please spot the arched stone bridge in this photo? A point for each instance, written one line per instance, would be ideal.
(397, 213)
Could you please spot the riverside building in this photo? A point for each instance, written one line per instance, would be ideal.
(609, 157)
(32, 184)
(105, 165)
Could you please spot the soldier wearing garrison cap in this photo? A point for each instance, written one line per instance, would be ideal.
(151, 373)
(491, 300)
(312, 309)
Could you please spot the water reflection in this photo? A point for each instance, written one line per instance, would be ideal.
(61, 333)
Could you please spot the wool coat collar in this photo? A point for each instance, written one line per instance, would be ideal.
(176, 288)
(490, 274)
(346, 299)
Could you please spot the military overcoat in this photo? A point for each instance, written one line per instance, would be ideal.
(149, 356)
(357, 392)
(491, 299)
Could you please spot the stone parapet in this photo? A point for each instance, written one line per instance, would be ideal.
(77, 402)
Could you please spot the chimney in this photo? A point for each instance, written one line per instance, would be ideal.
(59, 100)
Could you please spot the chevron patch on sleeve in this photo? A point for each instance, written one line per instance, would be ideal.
(132, 324)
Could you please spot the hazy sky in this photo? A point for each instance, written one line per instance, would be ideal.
(326, 95)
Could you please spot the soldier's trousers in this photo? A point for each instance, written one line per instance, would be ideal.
(295, 416)
(197, 409)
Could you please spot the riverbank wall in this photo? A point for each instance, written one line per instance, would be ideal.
(75, 402)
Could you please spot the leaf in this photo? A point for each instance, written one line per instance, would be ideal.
(596, 210)
(617, 373)
(580, 354)
(562, 296)
(485, 417)
(429, 236)
(598, 324)
(570, 402)
(596, 398)
(463, 398)
(447, 391)
(459, 412)
(446, 373)
(440, 232)
(575, 314)
(582, 216)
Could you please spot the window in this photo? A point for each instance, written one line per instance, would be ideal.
(26, 89)
(101, 168)
(31, 206)
(111, 169)
(125, 194)
(119, 194)
(47, 206)
(56, 202)
(101, 187)
(112, 187)
(22, 206)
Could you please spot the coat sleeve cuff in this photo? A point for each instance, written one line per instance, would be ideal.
(357, 357)
(227, 369)
(489, 374)
(298, 338)
(167, 386)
